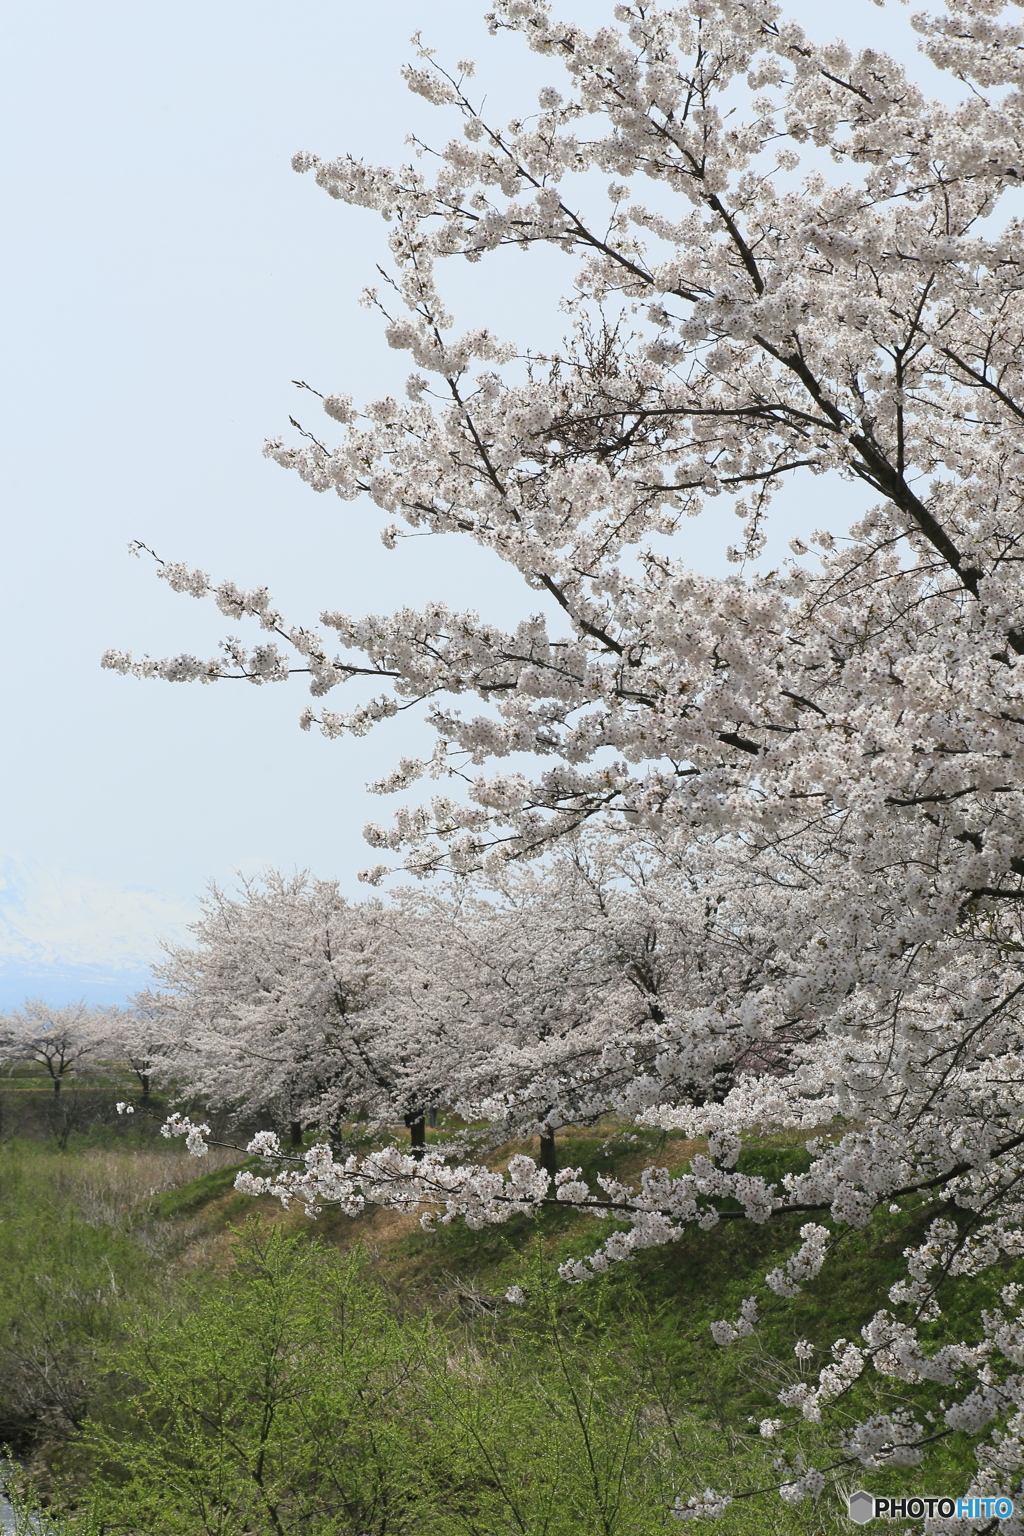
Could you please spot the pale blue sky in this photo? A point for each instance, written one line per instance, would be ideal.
(166, 275)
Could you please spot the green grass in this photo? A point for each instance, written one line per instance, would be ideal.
(65, 1278)
(116, 1257)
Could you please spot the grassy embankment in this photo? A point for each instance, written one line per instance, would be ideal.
(176, 1358)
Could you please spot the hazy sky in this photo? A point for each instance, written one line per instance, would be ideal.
(166, 275)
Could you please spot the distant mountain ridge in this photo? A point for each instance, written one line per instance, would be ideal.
(66, 935)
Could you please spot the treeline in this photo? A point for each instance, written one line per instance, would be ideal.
(525, 1001)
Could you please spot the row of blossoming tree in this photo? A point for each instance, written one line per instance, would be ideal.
(74, 1042)
(805, 266)
(526, 1003)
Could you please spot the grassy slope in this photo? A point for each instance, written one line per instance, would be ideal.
(685, 1287)
(93, 1235)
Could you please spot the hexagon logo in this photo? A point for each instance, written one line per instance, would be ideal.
(862, 1507)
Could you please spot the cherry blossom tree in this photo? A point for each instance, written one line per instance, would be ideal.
(510, 986)
(298, 1004)
(555, 988)
(269, 1009)
(140, 1037)
(805, 267)
(63, 1041)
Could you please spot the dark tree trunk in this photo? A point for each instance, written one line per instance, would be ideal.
(295, 1133)
(56, 1086)
(548, 1153)
(432, 1118)
(145, 1088)
(417, 1132)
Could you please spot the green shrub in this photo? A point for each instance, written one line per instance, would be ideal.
(294, 1397)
